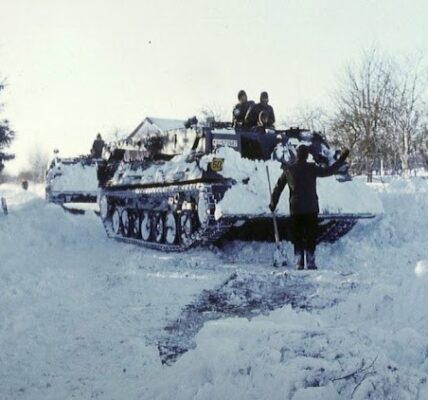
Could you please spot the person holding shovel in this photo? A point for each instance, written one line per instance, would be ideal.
(301, 178)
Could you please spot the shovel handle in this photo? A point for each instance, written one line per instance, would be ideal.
(4, 205)
(275, 225)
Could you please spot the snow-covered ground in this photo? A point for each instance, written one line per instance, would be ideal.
(84, 317)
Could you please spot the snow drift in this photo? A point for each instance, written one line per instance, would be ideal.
(81, 316)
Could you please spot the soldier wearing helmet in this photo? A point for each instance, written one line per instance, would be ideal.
(261, 114)
(240, 110)
(97, 147)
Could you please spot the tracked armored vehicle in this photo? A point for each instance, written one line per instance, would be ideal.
(72, 180)
(175, 187)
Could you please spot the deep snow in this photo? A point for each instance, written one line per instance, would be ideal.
(82, 316)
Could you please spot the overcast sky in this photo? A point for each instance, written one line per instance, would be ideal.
(75, 68)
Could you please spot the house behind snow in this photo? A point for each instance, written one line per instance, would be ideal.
(176, 138)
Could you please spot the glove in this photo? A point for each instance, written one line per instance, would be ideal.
(272, 206)
(344, 154)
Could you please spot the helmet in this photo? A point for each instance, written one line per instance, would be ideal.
(241, 93)
(264, 95)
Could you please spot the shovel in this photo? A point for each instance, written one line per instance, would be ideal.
(279, 256)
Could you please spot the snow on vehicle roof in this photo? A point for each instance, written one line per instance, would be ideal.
(75, 177)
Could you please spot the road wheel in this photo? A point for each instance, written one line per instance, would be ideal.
(171, 228)
(159, 228)
(187, 226)
(115, 222)
(104, 207)
(125, 220)
(136, 225)
(203, 209)
(145, 226)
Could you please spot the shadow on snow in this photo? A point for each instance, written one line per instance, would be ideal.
(241, 295)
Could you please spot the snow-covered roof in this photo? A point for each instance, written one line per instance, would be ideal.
(160, 124)
(166, 124)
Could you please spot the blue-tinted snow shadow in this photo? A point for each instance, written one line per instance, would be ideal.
(241, 295)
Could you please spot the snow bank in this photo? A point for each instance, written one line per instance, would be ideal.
(409, 186)
(251, 193)
(80, 315)
(367, 339)
(78, 311)
(287, 355)
(17, 197)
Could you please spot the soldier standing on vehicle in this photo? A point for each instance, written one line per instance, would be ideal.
(97, 147)
(240, 110)
(301, 178)
(261, 114)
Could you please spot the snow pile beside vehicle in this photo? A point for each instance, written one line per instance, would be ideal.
(251, 193)
(350, 197)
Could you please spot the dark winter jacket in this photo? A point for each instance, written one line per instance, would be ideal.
(240, 111)
(301, 179)
(252, 117)
(97, 148)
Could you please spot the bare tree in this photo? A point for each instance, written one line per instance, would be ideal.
(311, 117)
(408, 110)
(381, 112)
(362, 103)
(213, 113)
(422, 145)
(38, 160)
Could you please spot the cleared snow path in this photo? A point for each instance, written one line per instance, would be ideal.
(241, 295)
(82, 316)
